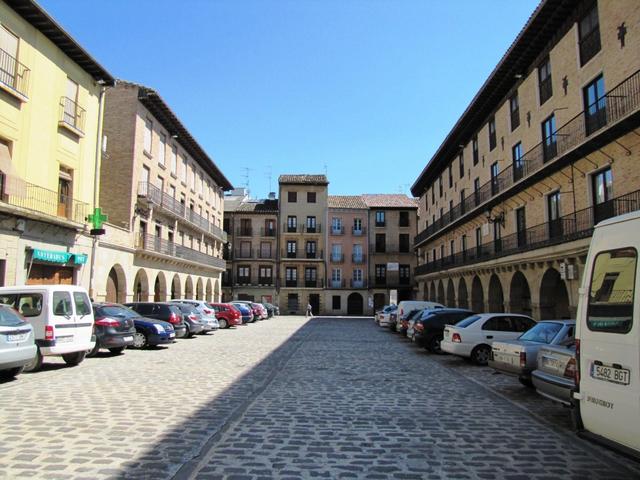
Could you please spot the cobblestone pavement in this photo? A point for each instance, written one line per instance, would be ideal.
(289, 398)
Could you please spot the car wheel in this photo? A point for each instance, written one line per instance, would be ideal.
(139, 340)
(187, 333)
(434, 344)
(94, 351)
(222, 322)
(35, 364)
(116, 350)
(74, 358)
(526, 382)
(10, 373)
(480, 354)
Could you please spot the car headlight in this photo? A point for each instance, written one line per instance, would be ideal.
(159, 328)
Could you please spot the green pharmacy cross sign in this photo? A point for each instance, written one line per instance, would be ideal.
(97, 219)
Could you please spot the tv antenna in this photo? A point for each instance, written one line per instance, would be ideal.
(269, 175)
(246, 175)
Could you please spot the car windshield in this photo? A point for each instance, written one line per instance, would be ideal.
(9, 318)
(543, 332)
(116, 311)
(468, 321)
(186, 308)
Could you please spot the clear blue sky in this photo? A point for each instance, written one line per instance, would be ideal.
(367, 89)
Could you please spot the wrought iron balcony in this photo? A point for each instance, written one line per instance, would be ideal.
(292, 228)
(13, 74)
(240, 253)
(72, 115)
(357, 258)
(15, 191)
(337, 257)
(358, 283)
(264, 255)
(358, 232)
(337, 230)
(619, 102)
(153, 243)
(565, 229)
(244, 231)
(268, 232)
(317, 228)
(337, 283)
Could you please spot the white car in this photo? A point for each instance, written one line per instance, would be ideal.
(473, 336)
(205, 310)
(383, 317)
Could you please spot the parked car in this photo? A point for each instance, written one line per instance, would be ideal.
(431, 306)
(191, 318)
(428, 329)
(148, 332)
(262, 311)
(393, 320)
(113, 329)
(473, 336)
(403, 324)
(520, 357)
(271, 309)
(164, 311)
(206, 316)
(383, 316)
(407, 306)
(245, 312)
(256, 313)
(227, 314)
(17, 343)
(61, 316)
(555, 376)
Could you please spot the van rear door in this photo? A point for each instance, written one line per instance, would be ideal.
(64, 323)
(609, 343)
(83, 316)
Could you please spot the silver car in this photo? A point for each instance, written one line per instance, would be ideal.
(555, 376)
(520, 357)
(17, 347)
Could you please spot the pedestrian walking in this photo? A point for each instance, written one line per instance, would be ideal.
(309, 310)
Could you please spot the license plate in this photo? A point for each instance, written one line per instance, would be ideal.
(171, 335)
(128, 339)
(610, 374)
(19, 337)
(552, 363)
(67, 339)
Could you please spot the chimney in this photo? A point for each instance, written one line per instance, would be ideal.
(272, 196)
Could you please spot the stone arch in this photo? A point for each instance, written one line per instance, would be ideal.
(432, 292)
(477, 295)
(199, 289)
(355, 304)
(425, 291)
(141, 286)
(496, 295)
(160, 288)
(451, 294)
(209, 291)
(554, 298)
(188, 288)
(519, 294)
(176, 287)
(441, 298)
(116, 285)
(463, 296)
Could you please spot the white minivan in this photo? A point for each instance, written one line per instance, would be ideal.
(61, 316)
(405, 307)
(607, 399)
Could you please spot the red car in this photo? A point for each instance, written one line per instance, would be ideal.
(227, 314)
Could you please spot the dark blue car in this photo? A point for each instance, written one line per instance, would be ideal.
(245, 311)
(149, 332)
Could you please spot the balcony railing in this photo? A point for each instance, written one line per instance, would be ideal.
(358, 232)
(358, 283)
(619, 102)
(565, 229)
(243, 281)
(14, 74)
(337, 230)
(72, 114)
(168, 203)
(291, 283)
(153, 243)
(357, 258)
(268, 232)
(337, 257)
(266, 281)
(317, 228)
(292, 228)
(244, 231)
(266, 255)
(240, 253)
(337, 283)
(17, 192)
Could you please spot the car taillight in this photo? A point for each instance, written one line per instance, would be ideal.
(193, 317)
(570, 370)
(48, 332)
(419, 326)
(456, 338)
(523, 359)
(577, 370)
(107, 322)
(173, 318)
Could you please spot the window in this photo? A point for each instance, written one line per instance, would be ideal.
(183, 170)
(381, 240)
(498, 324)
(492, 133)
(521, 227)
(292, 197)
(461, 164)
(28, 304)
(452, 248)
(162, 148)
(549, 138)
(462, 202)
(544, 80)
(380, 218)
(291, 248)
(310, 277)
(403, 219)
(440, 185)
(148, 127)
(463, 244)
(335, 302)
(291, 277)
(336, 225)
(336, 275)
(404, 274)
(244, 274)
(357, 225)
(174, 160)
(433, 194)
(518, 162)
(474, 148)
(311, 224)
(336, 252)
(494, 179)
(265, 275)
(381, 273)
(611, 291)
(144, 178)
(476, 191)
(310, 249)
(589, 34)
(553, 212)
(403, 242)
(292, 223)
(478, 240)
(8, 74)
(602, 188)
(595, 104)
(311, 197)
(357, 275)
(62, 304)
(514, 108)
(450, 175)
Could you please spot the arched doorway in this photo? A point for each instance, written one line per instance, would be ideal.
(432, 292)
(425, 292)
(141, 287)
(496, 297)
(519, 294)
(463, 298)
(188, 288)
(116, 285)
(160, 288)
(199, 290)
(477, 295)
(554, 299)
(355, 304)
(176, 291)
(451, 294)
(441, 298)
(216, 290)
(209, 294)
(378, 301)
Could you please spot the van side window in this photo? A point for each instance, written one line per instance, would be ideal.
(611, 291)
(83, 306)
(27, 304)
(62, 303)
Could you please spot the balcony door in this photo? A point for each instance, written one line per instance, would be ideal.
(65, 192)
(595, 105)
(9, 55)
(602, 187)
(553, 212)
(521, 227)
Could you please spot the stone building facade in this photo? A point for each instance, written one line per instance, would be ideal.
(547, 148)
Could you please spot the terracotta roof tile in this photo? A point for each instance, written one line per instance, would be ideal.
(345, 201)
(254, 206)
(304, 179)
(389, 200)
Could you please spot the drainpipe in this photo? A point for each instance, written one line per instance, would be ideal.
(96, 180)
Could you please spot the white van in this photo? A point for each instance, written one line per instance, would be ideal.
(61, 316)
(608, 337)
(407, 306)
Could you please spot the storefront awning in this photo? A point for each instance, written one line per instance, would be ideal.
(52, 256)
